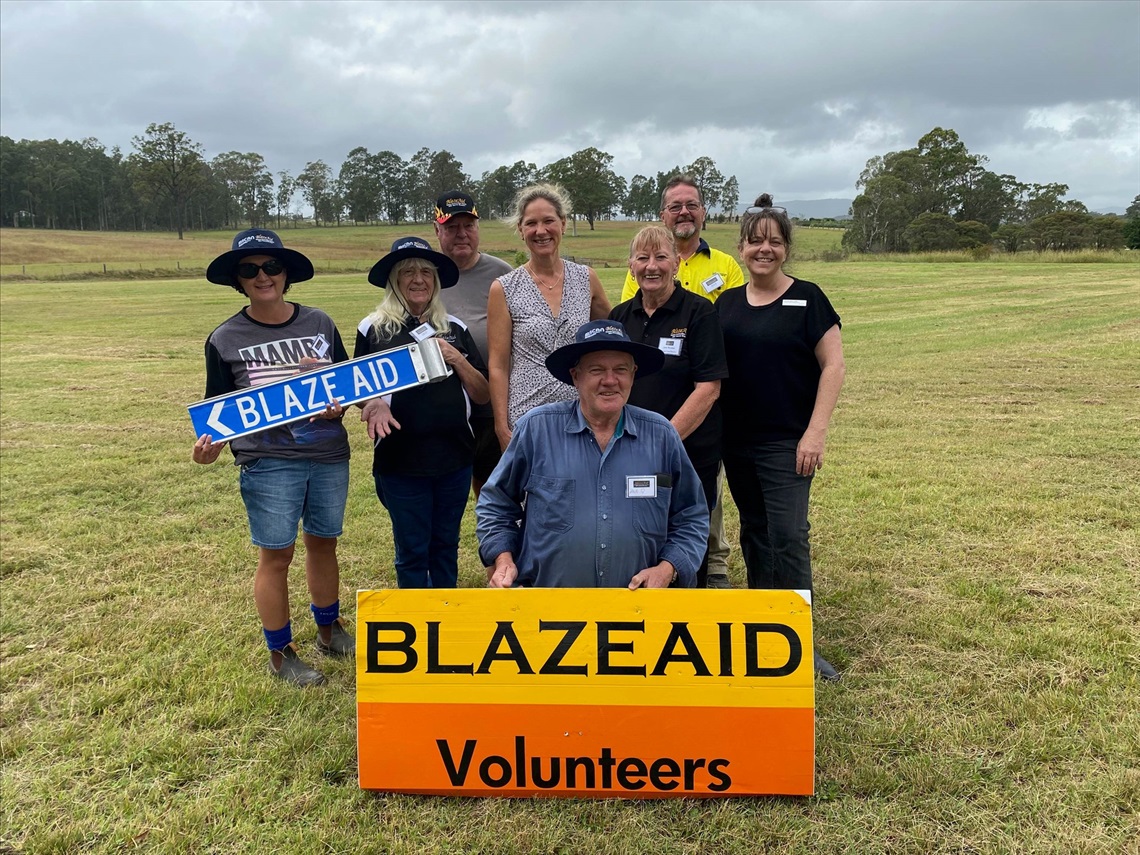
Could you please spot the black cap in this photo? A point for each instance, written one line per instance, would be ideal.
(602, 335)
(413, 247)
(454, 202)
(223, 269)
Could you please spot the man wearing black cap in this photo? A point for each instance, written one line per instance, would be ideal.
(610, 497)
(457, 227)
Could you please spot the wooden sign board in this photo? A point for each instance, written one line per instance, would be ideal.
(585, 692)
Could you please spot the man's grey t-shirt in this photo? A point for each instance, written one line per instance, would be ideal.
(468, 301)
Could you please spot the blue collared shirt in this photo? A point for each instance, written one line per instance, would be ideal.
(589, 520)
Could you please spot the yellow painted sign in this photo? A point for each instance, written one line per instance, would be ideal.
(585, 692)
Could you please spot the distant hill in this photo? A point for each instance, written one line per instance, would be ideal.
(806, 209)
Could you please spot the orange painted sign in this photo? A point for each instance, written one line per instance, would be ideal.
(585, 692)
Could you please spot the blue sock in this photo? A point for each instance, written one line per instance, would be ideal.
(325, 615)
(278, 638)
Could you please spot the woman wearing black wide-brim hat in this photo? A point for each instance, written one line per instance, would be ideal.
(423, 440)
(295, 473)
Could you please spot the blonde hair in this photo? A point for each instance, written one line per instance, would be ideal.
(654, 236)
(555, 194)
(389, 317)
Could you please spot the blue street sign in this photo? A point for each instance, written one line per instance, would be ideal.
(303, 395)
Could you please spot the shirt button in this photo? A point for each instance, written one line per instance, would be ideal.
(603, 488)
(603, 546)
(605, 517)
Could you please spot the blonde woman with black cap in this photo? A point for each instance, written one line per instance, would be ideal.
(296, 473)
(423, 440)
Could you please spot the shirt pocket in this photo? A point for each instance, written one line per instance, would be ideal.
(651, 514)
(550, 503)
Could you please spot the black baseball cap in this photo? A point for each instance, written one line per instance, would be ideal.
(454, 202)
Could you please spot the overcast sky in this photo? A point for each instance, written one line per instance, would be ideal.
(791, 97)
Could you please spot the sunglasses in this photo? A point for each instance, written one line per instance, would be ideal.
(248, 270)
(775, 209)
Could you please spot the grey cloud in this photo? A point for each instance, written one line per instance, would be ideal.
(788, 95)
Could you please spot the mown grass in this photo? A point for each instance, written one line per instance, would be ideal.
(975, 534)
(43, 255)
(58, 255)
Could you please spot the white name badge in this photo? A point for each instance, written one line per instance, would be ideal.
(641, 486)
(423, 332)
(320, 346)
(795, 302)
(712, 283)
(670, 346)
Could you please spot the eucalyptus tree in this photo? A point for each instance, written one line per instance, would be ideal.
(286, 187)
(498, 187)
(359, 182)
(588, 176)
(641, 201)
(709, 180)
(248, 186)
(730, 196)
(391, 180)
(168, 165)
(317, 186)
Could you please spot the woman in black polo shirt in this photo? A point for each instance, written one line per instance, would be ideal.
(685, 328)
(424, 444)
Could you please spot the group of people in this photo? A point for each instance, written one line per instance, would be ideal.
(595, 439)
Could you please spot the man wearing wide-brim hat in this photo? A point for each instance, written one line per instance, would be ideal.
(610, 497)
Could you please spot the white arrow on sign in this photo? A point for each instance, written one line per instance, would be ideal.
(216, 423)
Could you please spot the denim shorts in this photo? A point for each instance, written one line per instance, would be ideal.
(279, 493)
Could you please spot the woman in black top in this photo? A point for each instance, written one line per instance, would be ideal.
(424, 445)
(685, 328)
(785, 363)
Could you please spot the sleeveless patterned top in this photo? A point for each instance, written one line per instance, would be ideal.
(536, 333)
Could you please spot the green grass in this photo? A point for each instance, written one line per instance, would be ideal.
(27, 254)
(977, 557)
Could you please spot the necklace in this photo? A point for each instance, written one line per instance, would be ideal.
(538, 280)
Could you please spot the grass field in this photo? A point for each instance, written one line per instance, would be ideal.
(42, 254)
(977, 556)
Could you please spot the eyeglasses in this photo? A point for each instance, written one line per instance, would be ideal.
(775, 209)
(249, 270)
(677, 207)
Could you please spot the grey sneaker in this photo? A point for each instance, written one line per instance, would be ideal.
(293, 670)
(719, 581)
(341, 643)
(825, 670)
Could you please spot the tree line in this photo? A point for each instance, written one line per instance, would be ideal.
(939, 196)
(166, 183)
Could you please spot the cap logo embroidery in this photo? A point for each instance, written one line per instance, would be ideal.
(601, 331)
(260, 238)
